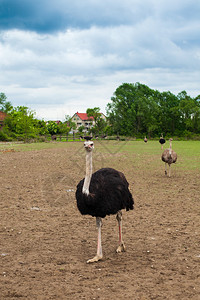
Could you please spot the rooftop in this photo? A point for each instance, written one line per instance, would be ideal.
(84, 116)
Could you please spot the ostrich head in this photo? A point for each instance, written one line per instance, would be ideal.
(89, 145)
(170, 139)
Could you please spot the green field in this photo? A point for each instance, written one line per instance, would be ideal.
(188, 151)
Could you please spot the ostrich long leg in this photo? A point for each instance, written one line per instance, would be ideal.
(99, 246)
(121, 246)
(169, 170)
(165, 168)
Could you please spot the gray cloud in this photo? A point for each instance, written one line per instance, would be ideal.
(58, 56)
(50, 16)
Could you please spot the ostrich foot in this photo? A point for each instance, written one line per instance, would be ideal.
(94, 259)
(121, 248)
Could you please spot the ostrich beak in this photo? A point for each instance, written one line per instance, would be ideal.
(89, 147)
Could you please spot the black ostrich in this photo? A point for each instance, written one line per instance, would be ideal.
(103, 193)
(145, 139)
(162, 141)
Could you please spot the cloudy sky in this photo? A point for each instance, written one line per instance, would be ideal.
(62, 56)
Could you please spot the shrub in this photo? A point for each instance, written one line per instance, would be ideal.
(4, 137)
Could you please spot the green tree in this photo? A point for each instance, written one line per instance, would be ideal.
(169, 116)
(71, 125)
(42, 127)
(190, 112)
(52, 127)
(133, 110)
(5, 105)
(94, 112)
(100, 125)
(121, 112)
(196, 116)
(21, 123)
(64, 128)
(81, 129)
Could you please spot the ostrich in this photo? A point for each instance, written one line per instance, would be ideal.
(162, 141)
(102, 193)
(145, 139)
(169, 157)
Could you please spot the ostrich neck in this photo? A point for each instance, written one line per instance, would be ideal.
(170, 148)
(88, 174)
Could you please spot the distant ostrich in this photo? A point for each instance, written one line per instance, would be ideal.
(145, 139)
(54, 137)
(102, 193)
(169, 157)
(162, 141)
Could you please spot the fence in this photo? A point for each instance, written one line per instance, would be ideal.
(78, 137)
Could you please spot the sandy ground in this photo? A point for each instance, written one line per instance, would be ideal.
(45, 242)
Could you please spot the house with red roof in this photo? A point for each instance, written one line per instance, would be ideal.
(82, 119)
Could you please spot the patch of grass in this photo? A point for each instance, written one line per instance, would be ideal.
(33, 146)
(136, 152)
(150, 153)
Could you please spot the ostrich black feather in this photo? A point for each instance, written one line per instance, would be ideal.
(109, 193)
(162, 141)
(87, 138)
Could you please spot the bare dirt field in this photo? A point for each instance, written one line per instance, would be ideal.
(45, 242)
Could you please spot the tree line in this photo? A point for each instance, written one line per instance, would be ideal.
(21, 123)
(135, 110)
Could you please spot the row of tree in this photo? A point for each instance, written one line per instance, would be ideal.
(137, 110)
(21, 123)
(134, 110)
